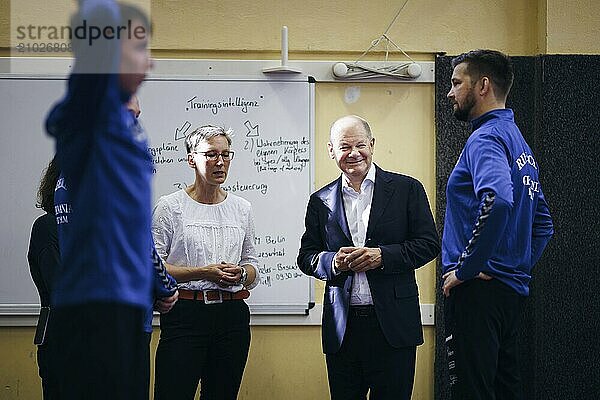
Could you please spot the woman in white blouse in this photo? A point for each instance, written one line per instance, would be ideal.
(206, 238)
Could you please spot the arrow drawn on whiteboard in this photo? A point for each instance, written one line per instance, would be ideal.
(180, 132)
(252, 130)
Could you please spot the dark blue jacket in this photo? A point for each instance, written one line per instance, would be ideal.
(164, 285)
(401, 225)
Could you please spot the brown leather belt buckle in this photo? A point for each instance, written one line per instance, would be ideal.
(209, 297)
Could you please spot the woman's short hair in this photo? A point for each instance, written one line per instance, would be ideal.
(204, 134)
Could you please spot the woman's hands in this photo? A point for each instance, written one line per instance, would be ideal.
(224, 274)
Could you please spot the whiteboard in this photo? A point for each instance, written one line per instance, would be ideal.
(273, 134)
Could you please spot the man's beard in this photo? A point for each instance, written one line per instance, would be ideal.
(462, 113)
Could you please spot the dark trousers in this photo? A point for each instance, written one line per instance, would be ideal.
(46, 371)
(98, 351)
(146, 363)
(202, 342)
(366, 361)
(481, 337)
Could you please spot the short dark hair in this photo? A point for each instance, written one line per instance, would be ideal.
(491, 63)
(45, 194)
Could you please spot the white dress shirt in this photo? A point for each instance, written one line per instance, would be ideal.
(358, 207)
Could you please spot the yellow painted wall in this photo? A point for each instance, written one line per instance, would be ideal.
(18, 365)
(344, 25)
(298, 372)
(573, 27)
(234, 28)
(286, 362)
(238, 29)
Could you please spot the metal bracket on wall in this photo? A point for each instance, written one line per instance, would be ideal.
(321, 71)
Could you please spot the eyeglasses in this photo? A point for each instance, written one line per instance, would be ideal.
(214, 156)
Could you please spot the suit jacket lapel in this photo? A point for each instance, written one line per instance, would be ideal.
(336, 205)
(382, 193)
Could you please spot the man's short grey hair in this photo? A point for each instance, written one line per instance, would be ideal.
(345, 121)
(204, 134)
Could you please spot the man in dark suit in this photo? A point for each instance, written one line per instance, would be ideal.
(366, 233)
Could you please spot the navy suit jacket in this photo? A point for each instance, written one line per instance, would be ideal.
(401, 224)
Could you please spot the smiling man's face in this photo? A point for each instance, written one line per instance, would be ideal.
(352, 150)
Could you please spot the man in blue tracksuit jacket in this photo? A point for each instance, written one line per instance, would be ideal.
(102, 296)
(496, 227)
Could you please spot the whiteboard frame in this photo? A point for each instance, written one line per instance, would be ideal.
(12, 313)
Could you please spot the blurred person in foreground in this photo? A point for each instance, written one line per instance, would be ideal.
(101, 298)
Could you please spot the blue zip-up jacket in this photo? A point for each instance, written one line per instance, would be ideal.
(164, 284)
(108, 171)
(497, 220)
